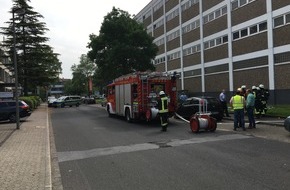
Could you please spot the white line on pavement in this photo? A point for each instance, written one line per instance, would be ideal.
(78, 155)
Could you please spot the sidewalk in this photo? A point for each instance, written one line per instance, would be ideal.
(267, 127)
(267, 120)
(25, 153)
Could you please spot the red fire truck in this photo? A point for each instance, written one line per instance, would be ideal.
(135, 95)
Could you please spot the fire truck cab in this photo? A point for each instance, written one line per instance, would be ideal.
(135, 95)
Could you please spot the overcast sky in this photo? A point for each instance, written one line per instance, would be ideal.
(70, 22)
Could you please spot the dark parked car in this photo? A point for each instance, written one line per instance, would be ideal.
(89, 100)
(8, 110)
(203, 104)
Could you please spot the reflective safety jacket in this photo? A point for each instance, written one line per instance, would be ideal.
(163, 105)
(238, 102)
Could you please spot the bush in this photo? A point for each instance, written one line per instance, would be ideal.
(32, 101)
(28, 101)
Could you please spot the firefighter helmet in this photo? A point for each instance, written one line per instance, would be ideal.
(239, 90)
(261, 86)
(254, 88)
(161, 93)
(243, 87)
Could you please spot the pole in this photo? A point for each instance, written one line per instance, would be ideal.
(15, 72)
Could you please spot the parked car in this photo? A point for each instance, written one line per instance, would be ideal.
(89, 100)
(50, 101)
(67, 101)
(203, 104)
(8, 110)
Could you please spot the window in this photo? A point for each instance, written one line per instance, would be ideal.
(253, 29)
(239, 3)
(225, 39)
(263, 26)
(218, 41)
(215, 14)
(218, 13)
(279, 21)
(211, 17)
(235, 4)
(205, 19)
(243, 2)
(198, 48)
(288, 18)
(250, 30)
(206, 45)
(193, 25)
(197, 23)
(224, 10)
(212, 43)
(193, 49)
(244, 32)
(236, 35)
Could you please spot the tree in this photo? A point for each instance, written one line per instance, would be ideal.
(37, 63)
(122, 46)
(82, 73)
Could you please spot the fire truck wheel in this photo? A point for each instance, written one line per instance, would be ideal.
(127, 115)
(108, 110)
(148, 115)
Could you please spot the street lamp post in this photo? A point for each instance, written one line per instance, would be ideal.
(18, 11)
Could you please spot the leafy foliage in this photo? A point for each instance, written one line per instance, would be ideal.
(37, 64)
(122, 46)
(81, 75)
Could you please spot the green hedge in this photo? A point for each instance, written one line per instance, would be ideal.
(32, 101)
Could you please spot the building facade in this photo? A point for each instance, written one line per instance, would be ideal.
(222, 44)
(6, 76)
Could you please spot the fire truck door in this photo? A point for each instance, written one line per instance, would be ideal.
(128, 95)
(123, 97)
(119, 96)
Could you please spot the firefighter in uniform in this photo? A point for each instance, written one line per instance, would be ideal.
(163, 110)
(262, 99)
(243, 92)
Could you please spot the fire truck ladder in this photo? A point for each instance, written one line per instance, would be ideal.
(144, 88)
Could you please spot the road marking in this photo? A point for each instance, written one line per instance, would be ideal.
(79, 155)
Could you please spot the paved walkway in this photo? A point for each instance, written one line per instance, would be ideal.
(25, 153)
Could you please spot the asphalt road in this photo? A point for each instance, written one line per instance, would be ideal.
(101, 153)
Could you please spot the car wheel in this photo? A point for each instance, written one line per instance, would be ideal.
(127, 115)
(12, 118)
(108, 111)
(62, 105)
(77, 105)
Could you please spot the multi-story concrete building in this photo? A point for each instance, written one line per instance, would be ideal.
(6, 76)
(222, 44)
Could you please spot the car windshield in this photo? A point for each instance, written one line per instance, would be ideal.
(62, 98)
(211, 100)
